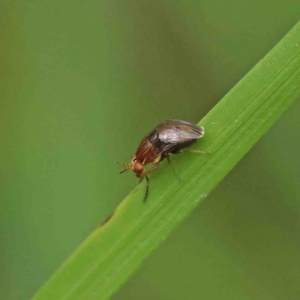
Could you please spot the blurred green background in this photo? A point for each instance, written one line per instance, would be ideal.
(82, 82)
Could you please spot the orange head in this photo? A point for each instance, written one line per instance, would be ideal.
(136, 166)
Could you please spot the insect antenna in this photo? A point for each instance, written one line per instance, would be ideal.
(123, 171)
(127, 166)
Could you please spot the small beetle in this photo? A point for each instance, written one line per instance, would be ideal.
(169, 137)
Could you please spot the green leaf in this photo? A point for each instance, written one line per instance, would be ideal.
(113, 251)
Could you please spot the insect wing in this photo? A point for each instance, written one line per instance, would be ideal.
(177, 131)
(174, 135)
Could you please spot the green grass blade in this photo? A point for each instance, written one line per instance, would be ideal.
(112, 252)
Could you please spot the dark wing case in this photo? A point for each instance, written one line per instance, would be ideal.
(175, 135)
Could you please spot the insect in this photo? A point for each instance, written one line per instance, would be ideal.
(169, 137)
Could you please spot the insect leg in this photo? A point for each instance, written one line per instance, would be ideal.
(147, 189)
(170, 163)
(200, 151)
(152, 168)
(147, 179)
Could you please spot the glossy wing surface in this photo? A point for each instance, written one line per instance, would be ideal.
(177, 131)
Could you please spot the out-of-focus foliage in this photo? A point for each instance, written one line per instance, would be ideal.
(82, 83)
